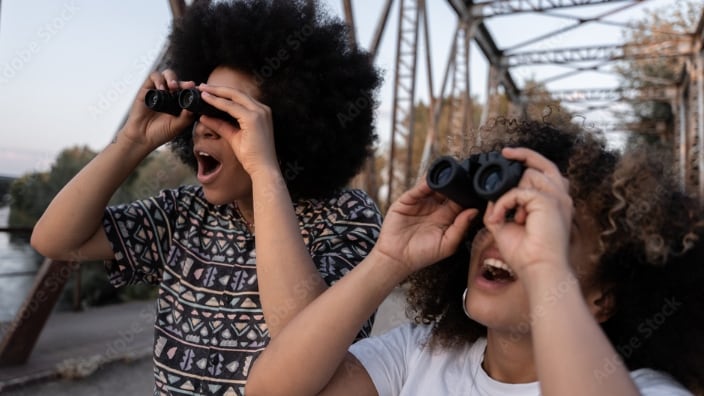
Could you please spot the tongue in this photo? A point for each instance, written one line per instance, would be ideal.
(209, 165)
(497, 274)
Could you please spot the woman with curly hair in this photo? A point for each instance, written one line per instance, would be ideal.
(584, 279)
(271, 224)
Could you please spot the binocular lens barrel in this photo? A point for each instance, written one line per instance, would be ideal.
(442, 173)
(162, 101)
(189, 99)
(476, 180)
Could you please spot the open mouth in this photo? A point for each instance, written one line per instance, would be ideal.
(207, 164)
(495, 270)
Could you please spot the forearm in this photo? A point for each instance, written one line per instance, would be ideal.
(321, 334)
(288, 279)
(74, 215)
(573, 356)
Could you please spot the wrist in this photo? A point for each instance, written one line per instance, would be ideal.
(388, 267)
(267, 171)
(132, 143)
(548, 283)
(267, 176)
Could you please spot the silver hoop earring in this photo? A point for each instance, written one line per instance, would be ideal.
(464, 302)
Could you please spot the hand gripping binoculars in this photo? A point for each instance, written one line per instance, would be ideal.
(186, 99)
(474, 181)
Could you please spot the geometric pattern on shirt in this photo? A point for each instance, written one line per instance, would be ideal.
(209, 324)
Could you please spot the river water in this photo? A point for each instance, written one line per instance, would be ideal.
(17, 258)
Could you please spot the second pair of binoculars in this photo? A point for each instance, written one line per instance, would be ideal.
(476, 180)
(186, 99)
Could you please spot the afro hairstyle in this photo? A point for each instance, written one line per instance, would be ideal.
(650, 254)
(320, 88)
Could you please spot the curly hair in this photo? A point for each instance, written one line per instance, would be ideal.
(651, 252)
(320, 88)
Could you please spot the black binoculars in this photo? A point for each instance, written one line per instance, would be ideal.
(186, 99)
(474, 181)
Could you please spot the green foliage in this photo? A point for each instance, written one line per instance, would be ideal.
(31, 194)
(5, 183)
(96, 290)
(663, 30)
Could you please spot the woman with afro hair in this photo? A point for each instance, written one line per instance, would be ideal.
(271, 224)
(584, 279)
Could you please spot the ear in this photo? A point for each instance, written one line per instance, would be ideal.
(601, 302)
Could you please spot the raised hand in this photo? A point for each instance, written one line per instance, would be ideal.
(152, 128)
(253, 140)
(538, 236)
(421, 228)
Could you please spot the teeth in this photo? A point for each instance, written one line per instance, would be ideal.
(204, 154)
(492, 262)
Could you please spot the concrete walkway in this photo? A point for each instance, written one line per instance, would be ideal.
(107, 351)
(73, 345)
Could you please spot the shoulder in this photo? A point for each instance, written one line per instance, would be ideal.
(342, 205)
(185, 192)
(412, 339)
(408, 335)
(190, 201)
(654, 383)
(412, 332)
(402, 359)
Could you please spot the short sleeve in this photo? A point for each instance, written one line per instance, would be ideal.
(140, 234)
(386, 357)
(343, 232)
(655, 383)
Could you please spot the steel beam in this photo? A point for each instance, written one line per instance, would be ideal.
(700, 121)
(664, 93)
(491, 52)
(19, 339)
(402, 119)
(561, 56)
(492, 8)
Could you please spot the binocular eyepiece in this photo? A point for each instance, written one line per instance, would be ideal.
(474, 181)
(186, 99)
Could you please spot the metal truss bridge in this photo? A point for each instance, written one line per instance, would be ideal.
(453, 111)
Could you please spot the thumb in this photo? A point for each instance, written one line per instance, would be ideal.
(458, 229)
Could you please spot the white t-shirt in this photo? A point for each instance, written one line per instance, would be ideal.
(400, 364)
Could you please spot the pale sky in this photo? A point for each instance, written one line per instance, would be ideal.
(70, 68)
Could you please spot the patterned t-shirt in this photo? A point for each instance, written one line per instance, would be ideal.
(209, 323)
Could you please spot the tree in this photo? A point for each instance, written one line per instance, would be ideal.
(5, 183)
(449, 140)
(662, 31)
(405, 175)
(31, 194)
